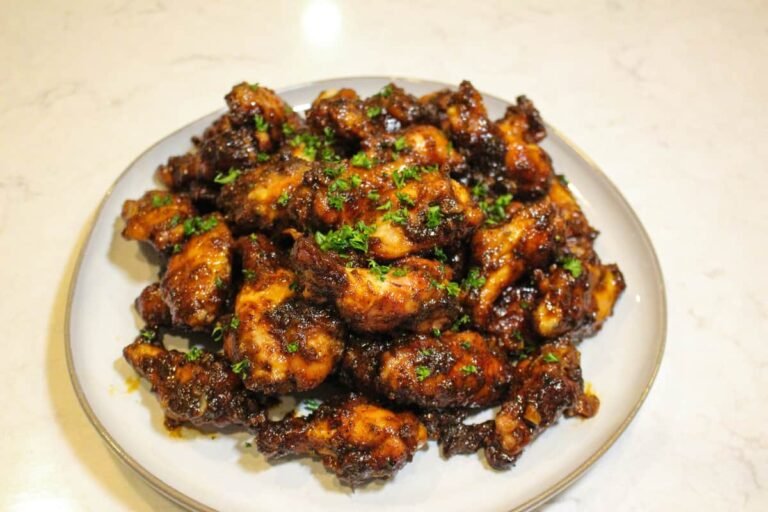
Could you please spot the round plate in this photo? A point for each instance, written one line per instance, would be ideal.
(218, 471)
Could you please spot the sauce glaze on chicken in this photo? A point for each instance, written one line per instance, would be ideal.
(417, 256)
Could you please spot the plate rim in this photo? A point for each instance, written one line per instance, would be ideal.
(189, 503)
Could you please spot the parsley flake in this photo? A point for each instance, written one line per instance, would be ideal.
(422, 372)
(284, 198)
(373, 111)
(232, 175)
(549, 357)
(469, 369)
(434, 217)
(345, 238)
(292, 347)
(572, 265)
(261, 124)
(159, 200)
(194, 354)
(473, 279)
(361, 160)
(241, 368)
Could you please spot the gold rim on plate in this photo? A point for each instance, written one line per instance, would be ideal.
(185, 501)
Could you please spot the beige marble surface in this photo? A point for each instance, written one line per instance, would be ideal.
(670, 98)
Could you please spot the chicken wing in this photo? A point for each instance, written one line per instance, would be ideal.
(410, 293)
(158, 218)
(281, 343)
(452, 369)
(197, 281)
(544, 387)
(356, 439)
(198, 388)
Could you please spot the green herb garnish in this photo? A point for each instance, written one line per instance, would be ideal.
(422, 372)
(232, 175)
(194, 354)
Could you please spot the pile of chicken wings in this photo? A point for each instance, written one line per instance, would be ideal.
(420, 259)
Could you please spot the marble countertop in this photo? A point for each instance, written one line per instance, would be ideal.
(669, 98)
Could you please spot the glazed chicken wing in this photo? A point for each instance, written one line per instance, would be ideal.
(544, 387)
(356, 439)
(409, 293)
(504, 155)
(528, 240)
(158, 218)
(198, 388)
(281, 343)
(454, 369)
(197, 280)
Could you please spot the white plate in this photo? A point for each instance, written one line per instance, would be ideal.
(204, 473)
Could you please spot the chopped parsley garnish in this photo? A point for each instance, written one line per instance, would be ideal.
(379, 270)
(248, 444)
(399, 216)
(159, 200)
(373, 195)
(399, 144)
(440, 255)
(436, 332)
(328, 133)
(288, 130)
(336, 201)
(469, 369)
(217, 333)
(249, 275)
(176, 248)
(426, 352)
(333, 172)
(261, 124)
(373, 111)
(525, 304)
(399, 272)
(254, 86)
(385, 206)
(549, 357)
(292, 347)
(294, 286)
(194, 354)
(466, 345)
(361, 160)
(312, 404)
(232, 175)
(518, 336)
(562, 179)
(422, 372)
(480, 190)
(241, 367)
(386, 92)
(284, 198)
(473, 279)
(174, 221)
(404, 174)
(262, 157)
(148, 334)
(434, 217)
(345, 238)
(234, 323)
(460, 322)
(572, 265)
(495, 211)
(219, 282)
(339, 184)
(199, 225)
(355, 180)
(451, 288)
(404, 199)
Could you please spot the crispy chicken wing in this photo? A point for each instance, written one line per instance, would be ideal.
(282, 343)
(197, 280)
(356, 439)
(409, 293)
(158, 218)
(544, 387)
(528, 240)
(197, 388)
(151, 307)
(504, 155)
(454, 369)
